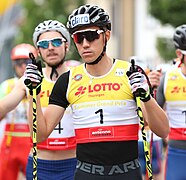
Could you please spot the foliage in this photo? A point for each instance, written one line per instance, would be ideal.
(37, 11)
(171, 12)
(165, 48)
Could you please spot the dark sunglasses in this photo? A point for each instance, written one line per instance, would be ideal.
(56, 42)
(89, 34)
(20, 62)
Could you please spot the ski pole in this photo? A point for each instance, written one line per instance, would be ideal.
(34, 117)
(34, 136)
(142, 125)
(145, 142)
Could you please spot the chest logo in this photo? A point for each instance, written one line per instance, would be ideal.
(77, 77)
(97, 88)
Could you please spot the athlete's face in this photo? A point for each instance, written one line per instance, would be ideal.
(90, 42)
(52, 47)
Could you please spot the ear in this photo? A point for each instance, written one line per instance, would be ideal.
(67, 47)
(179, 53)
(107, 35)
(38, 51)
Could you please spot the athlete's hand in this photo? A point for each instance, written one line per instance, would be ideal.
(154, 78)
(33, 77)
(139, 85)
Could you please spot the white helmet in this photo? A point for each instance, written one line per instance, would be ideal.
(50, 25)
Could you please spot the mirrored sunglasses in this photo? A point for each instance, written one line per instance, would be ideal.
(89, 34)
(56, 42)
(20, 62)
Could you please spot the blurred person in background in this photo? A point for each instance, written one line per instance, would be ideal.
(15, 145)
(171, 96)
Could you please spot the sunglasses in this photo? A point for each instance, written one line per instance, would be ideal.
(20, 62)
(89, 34)
(56, 42)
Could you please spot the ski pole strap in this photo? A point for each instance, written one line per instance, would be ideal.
(145, 142)
(34, 137)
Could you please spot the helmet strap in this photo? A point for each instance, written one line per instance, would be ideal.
(182, 59)
(54, 71)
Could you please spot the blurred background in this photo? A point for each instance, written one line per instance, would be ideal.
(142, 28)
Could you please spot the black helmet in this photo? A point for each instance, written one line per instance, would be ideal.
(88, 15)
(179, 37)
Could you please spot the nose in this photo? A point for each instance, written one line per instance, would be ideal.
(50, 46)
(85, 43)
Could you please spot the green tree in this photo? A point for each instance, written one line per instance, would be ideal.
(165, 48)
(37, 11)
(172, 12)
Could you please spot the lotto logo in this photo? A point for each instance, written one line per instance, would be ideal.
(80, 90)
(80, 19)
(98, 88)
(178, 89)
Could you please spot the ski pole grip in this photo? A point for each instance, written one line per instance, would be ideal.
(27, 82)
(133, 65)
(32, 57)
(132, 68)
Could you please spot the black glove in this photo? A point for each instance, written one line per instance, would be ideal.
(33, 77)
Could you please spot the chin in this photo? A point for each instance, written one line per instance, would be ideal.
(87, 59)
(53, 62)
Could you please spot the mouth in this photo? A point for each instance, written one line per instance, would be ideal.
(87, 53)
(51, 56)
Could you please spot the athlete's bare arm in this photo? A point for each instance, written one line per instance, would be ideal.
(156, 118)
(47, 121)
(9, 102)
